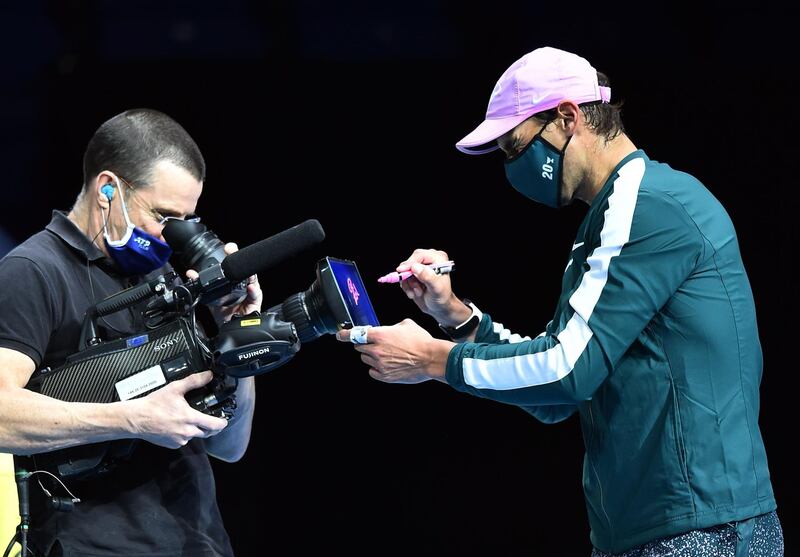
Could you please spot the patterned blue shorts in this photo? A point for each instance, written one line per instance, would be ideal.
(760, 536)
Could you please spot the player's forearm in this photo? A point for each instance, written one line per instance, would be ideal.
(231, 444)
(33, 423)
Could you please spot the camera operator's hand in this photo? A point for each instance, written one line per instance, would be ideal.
(251, 303)
(432, 293)
(165, 418)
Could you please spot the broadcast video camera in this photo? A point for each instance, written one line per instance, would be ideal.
(173, 346)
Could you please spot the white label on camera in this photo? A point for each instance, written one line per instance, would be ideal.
(142, 382)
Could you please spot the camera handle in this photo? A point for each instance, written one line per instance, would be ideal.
(119, 301)
(217, 399)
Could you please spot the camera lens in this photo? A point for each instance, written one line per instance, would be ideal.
(309, 312)
(336, 299)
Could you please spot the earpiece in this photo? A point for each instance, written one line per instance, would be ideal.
(108, 191)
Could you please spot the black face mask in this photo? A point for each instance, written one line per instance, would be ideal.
(536, 172)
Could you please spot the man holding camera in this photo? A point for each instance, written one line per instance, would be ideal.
(141, 168)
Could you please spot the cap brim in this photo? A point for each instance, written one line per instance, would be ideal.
(482, 139)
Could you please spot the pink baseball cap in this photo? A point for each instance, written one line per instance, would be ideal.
(538, 81)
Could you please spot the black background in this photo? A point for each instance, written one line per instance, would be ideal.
(347, 112)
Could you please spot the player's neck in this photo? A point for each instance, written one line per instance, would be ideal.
(605, 159)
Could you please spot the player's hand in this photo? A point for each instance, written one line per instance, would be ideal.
(432, 293)
(401, 353)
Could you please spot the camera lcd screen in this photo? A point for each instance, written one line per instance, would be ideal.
(351, 287)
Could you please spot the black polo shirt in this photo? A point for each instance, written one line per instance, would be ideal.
(159, 502)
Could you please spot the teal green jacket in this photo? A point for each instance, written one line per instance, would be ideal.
(654, 343)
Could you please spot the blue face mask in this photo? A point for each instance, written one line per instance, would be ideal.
(536, 171)
(137, 252)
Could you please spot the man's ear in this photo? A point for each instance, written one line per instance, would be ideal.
(106, 187)
(569, 115)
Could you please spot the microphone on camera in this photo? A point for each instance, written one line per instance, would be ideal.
(220, 276)
(272, 251)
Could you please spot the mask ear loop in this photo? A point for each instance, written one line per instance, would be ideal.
(561, 172)
(129, 225)
(563, 152)
(122, 200)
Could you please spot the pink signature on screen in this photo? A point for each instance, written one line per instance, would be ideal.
(353, 290)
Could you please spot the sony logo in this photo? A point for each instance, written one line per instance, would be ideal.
(166, 344)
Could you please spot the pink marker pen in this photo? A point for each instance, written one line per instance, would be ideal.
(438, 268)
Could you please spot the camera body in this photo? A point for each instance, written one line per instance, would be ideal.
(125, 368)
(134, 366)
(116, 370)
(171, 347)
